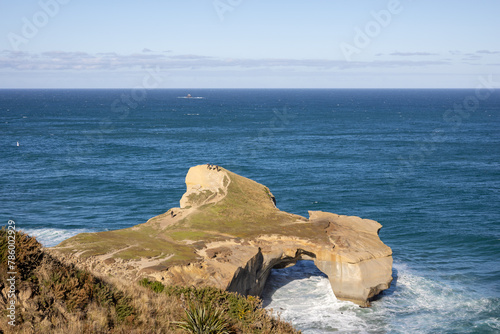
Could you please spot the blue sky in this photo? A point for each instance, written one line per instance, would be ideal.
(248, 43)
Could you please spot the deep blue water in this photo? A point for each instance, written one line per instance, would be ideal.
(428, 171)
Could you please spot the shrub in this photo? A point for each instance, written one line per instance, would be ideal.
(200, 320)
(245, 314)
(28, 252)
(153, 285)
(123, 309)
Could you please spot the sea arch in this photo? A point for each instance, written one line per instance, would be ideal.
(349, 281)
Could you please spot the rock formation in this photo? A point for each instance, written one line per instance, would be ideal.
(229, 234)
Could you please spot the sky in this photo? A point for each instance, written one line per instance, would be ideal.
(248, 43)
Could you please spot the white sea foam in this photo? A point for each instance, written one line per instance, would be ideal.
(309, 303)
(50, 237)
(426, 304)
(414, 304)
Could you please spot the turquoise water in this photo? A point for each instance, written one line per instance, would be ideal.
(429, 172)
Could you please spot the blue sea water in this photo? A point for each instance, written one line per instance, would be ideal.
(424, 163)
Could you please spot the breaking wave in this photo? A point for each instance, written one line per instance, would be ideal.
(414, 304)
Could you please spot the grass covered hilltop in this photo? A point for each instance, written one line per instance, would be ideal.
(206, 260)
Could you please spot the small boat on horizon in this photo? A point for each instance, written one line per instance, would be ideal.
(189, 96)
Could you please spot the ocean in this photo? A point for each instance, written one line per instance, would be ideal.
(423, 163)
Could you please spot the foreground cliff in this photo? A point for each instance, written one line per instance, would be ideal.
(228, 233)
(43, 295)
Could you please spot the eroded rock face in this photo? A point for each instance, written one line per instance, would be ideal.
(229, 234)
(360, 264)
(204, 185)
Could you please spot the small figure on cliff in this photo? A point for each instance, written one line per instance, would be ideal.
(216, 167)
(172, 213)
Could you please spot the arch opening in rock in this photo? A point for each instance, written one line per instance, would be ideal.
(297, 280)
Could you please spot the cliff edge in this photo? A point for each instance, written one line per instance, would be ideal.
(228, 233)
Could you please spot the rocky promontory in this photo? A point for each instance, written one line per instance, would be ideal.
(228, 233)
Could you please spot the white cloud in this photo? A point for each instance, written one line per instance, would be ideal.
(488, 52)
(60, 60)
(409, 54)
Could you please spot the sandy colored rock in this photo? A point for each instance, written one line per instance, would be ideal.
(204, 185)
(228, 233)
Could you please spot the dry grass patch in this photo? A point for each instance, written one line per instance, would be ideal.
(58, 298)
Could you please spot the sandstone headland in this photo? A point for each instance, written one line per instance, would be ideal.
(228, 233)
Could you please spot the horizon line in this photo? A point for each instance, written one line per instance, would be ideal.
(239, 88)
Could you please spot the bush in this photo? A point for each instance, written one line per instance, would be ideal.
(28, 252)
(124, 310)
(238, 307)
(200, 320)
(153, 285)
(243, 313)
(49, 289)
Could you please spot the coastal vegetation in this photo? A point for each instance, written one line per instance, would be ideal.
(54, 297)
